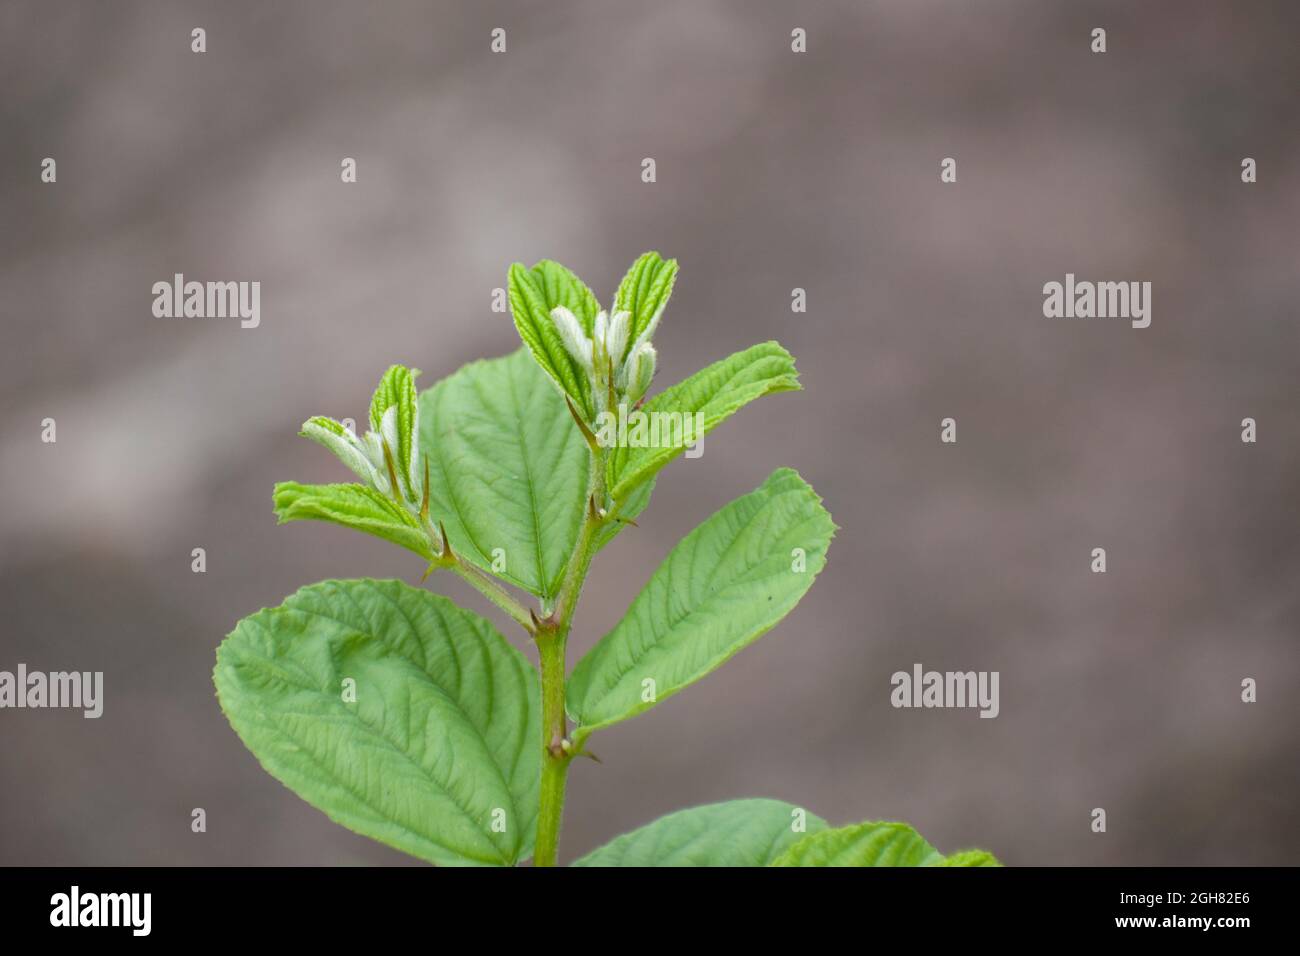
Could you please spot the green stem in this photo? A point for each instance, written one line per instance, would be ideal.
(476, 578)
(555, 759)
(494, 593)
(557, 749)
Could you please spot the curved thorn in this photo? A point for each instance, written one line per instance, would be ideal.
(392, 473)
(586, 429)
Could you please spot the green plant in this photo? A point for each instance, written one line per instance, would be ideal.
(413, 721)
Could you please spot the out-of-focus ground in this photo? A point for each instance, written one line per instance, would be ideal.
(775, 171)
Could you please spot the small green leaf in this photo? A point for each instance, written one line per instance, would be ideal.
(397, 390)
(875, 844)
(722, 587)
(533, 294)
(634, 502)
(353, 506)
(644, 292)
(865, 844)
(396, 713)
(717, 392)
(970, 858)
(561, 286)
(508, 470)
(735, 833)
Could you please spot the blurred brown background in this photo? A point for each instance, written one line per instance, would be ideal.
(775, 170)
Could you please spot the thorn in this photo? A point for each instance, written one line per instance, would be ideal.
(586, 430)
(427, 571)
(591, 507)
(446, 542)
(537, 624)
(392, 473)
(424, 504)
(627, 521)
(587, 753)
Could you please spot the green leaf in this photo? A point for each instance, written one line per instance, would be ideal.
(717, 392)
(508, 469)
(875, 844)
(533, 294)
(722, 587)
(735, 833)
(353, 506)
(634, 503)
(397, 390)
(970, 858)
(442, 733)
(644, 292)
(866, 844)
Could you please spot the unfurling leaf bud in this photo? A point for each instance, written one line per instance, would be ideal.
(350, 449)
(386, 457)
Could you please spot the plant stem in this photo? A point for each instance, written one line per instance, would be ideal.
(555, 761)
(477, 579)
(494, 593)
(557, 749)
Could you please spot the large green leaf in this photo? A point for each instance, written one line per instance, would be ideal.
(735, 833)
(353, 506)
(874, 844)
(716, 392)
(533, 294)
(723, 586)
(440, 742)
(508, 469)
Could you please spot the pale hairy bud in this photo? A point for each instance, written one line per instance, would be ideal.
(349, 449)
(374, 444)
(574, 338)
(640, 370)
(616, 337)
